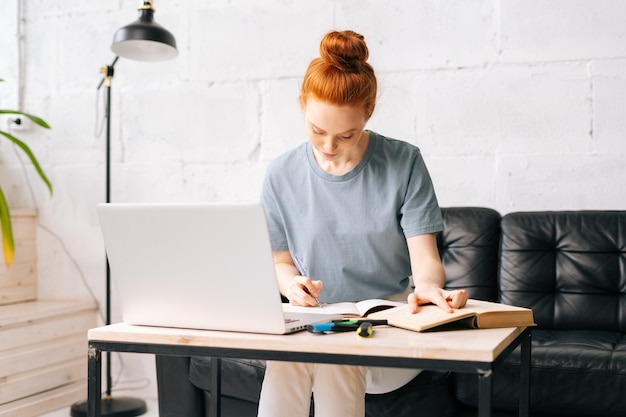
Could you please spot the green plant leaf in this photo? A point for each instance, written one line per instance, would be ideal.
(38, 120)
(8, 245)
(31, 156)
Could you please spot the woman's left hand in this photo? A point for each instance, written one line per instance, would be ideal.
(445, 299)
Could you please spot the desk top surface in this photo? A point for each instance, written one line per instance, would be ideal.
(479, 345)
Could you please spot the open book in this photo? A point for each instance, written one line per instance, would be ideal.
(347, 309)
(476, 314)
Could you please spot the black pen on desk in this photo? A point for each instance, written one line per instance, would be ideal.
(304, 272)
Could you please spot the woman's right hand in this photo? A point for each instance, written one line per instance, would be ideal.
(303, 291)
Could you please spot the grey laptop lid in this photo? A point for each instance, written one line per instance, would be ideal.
(204, 266)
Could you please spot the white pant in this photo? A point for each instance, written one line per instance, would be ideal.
(339, 390)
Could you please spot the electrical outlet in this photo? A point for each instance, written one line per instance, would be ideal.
(20, 123)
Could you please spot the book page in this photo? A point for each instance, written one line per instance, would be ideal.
(345, 308)
(367, 307)
(428, 316)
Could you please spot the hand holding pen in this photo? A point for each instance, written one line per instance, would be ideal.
(306, 291)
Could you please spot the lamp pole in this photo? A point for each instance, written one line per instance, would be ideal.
(142, 40)
(118, 406)
(108, 79)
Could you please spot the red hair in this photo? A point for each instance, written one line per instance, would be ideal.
(341, 76)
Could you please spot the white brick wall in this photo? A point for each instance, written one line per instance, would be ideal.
(517, 105)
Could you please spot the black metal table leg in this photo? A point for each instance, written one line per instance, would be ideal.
(94, 378)
(215, 407)
(485, 393)
(524, 394)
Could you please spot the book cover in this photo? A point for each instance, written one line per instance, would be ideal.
(476, 314)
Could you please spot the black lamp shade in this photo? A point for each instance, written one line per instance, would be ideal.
(144, 40)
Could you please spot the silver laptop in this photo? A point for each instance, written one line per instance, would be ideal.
(202, 266)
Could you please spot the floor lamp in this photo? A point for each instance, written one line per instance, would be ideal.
(142, 40)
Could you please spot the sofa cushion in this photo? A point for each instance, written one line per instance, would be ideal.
(241, 378)
(573, 373)
(429, 392)
(569, 267)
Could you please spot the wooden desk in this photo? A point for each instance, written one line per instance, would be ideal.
(471, 351)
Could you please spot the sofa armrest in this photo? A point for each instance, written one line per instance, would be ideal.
(468, 247)
(177, 395)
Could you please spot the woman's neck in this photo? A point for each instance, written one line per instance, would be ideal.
(342, 166)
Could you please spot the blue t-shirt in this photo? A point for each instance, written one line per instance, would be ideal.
(350, 230)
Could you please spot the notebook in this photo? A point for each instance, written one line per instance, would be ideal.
(201, 266)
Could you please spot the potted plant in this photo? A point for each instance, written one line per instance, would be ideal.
(5, 216)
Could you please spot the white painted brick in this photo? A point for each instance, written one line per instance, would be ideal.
(463, 181)
(73, 131)
(456, 113)
(59, 277)
(77, 59)
(408, 34)
(191, 123)
(226, 183)
(69, 218)
(505, 110)
(13, 185)
(566, 182)
(256, 39)
(536, 30)
(282, 117)
(42, 49)
(8, 63)
(395, 114)
(609, 104)
(147, 182)
(187, 182)
(43, 9)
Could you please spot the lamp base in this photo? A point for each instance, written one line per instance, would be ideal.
(113, 407)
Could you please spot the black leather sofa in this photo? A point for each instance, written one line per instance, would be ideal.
(569, 267)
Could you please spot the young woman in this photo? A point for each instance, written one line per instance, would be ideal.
(352, 215)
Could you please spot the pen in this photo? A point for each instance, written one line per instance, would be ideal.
(331, 327)
(345, 326)
(304, 272)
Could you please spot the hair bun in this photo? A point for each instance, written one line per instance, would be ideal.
(344, 50)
